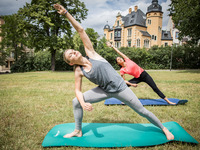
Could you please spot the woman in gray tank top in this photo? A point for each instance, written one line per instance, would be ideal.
(100, 72)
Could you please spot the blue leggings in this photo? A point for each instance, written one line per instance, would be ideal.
(145, 77)
(127, 96)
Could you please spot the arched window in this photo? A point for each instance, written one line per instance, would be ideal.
(138, 42)
(146, 43)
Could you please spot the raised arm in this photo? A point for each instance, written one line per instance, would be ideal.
(89, 50)
(120, 53)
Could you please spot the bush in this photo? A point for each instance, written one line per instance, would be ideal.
(183, 57)
(42, 61)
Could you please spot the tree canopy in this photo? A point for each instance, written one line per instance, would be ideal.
(12, 37)
(45, 27)
(185, 15)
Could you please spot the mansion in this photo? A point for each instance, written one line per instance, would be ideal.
(137, 29)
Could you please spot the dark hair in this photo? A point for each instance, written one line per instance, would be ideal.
(118, 64)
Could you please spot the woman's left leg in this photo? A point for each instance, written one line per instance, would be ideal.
(148, 79)
(129, 98)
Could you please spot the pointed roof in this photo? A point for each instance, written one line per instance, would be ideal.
(154, 7)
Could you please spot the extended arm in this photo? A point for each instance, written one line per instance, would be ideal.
(120, 53)
(79, 94)
(89, 50)
(128, 83)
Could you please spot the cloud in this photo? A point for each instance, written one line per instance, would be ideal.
(8, 7)
(100, 11)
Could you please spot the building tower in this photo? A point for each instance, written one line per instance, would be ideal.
(154, 17)
(106, 31)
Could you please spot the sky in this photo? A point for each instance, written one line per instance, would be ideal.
(99, 11)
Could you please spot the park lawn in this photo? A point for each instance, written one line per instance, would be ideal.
(34, 102)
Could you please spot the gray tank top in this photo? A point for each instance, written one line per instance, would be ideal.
(104, 75)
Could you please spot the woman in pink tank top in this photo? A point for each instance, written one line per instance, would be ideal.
(140, 75)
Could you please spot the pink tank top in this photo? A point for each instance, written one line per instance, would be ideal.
(131, 68)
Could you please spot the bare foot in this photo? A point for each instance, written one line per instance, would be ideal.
(171, 103)
(76, 133)
(168, 134)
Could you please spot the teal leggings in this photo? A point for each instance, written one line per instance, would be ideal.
(127, 96)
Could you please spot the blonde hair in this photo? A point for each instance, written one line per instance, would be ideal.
(65, 59)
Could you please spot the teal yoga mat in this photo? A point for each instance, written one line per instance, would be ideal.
(115, 135)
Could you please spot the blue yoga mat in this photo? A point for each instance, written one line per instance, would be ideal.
(114, 101)
(115, 135)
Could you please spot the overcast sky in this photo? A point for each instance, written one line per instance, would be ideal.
(99, 11)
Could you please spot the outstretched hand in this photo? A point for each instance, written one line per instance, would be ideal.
(88, 107)
(108, 44)
(60, 8)
(134, 85)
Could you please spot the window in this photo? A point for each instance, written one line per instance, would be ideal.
(152, 37)
(166, 44)
(149, 21)
(115, 33)
(12, 54)
(111, 36)
(129, 43)
(129, 32)
(176, 35)
(118, 44)
(159, 29)
(119, 33)
(138, 42)
(6, 64)
(146, 43)
(155, 38)
(118, 23)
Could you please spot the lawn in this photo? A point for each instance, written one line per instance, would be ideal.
(34, 102)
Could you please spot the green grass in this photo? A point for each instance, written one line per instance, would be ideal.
(34, 102)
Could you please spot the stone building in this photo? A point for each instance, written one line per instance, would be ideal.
(138, 29)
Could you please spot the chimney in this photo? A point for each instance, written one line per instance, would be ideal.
(130, 10)
(136, 8)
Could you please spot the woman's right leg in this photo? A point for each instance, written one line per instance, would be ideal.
(92, 96)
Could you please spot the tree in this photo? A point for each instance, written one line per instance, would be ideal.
(78, 44)
(45, 27)
(3, 56)
(185, 15)
(12, 37)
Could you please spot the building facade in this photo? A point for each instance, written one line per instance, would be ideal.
(175, 33)
(137, 29)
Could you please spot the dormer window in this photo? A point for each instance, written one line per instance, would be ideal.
(166, 35)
